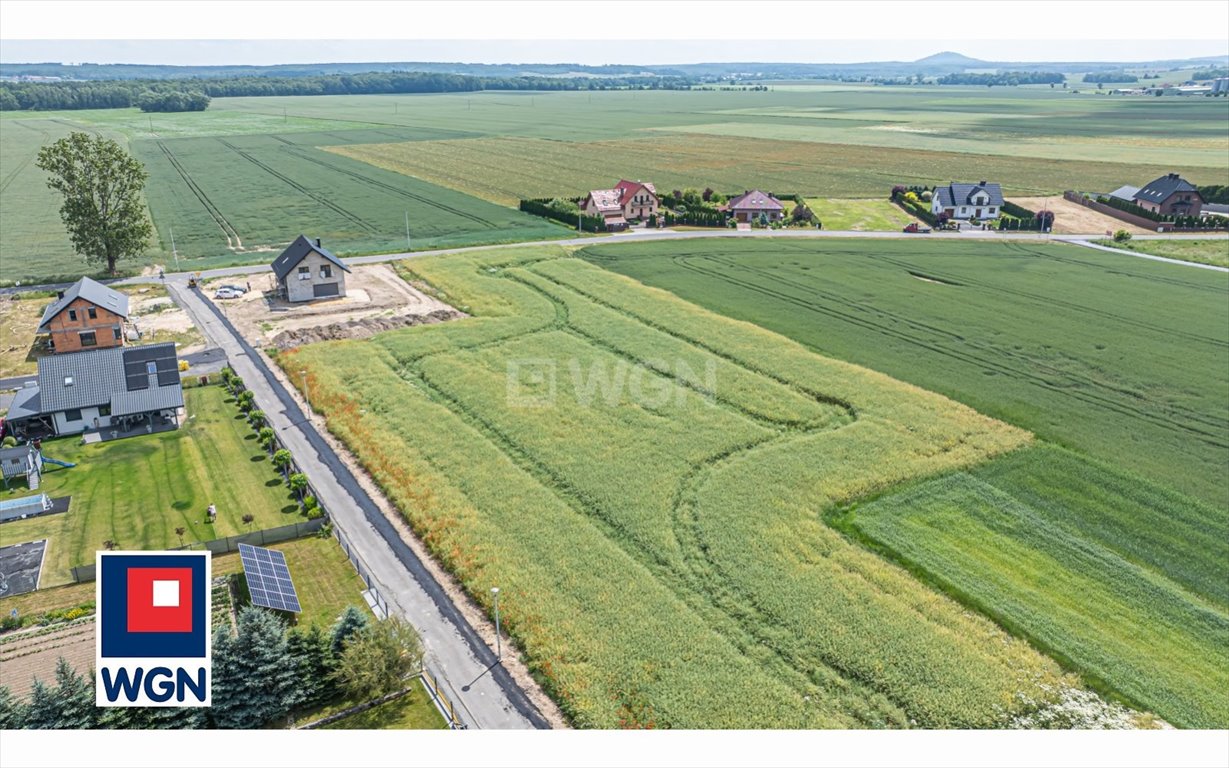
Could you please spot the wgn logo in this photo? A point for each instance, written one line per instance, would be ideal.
(153, 629)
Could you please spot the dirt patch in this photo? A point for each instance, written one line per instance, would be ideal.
(32, 653)
(157, 318)
(359, 329)
(376, 299)
(1074, 219)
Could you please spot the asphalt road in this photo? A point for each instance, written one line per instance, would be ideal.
(482, 690)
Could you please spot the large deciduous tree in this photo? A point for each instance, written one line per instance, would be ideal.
(377, 659)
(103, 209)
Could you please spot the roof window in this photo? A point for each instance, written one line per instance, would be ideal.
(68, 381)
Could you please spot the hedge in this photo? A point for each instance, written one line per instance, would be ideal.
(541, 207)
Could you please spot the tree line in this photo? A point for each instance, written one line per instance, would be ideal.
(262, 674)
(1001, 78)
(117, 94)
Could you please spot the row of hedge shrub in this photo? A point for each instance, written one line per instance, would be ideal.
(548, 208)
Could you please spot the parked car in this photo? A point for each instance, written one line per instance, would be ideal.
(917, 228)
(239, 289)
(226, 293)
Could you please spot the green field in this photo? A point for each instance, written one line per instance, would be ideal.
(859, 215)
(249, 174)
(1123, 359)
(1214, 252)
(676, 572)
(137, 491)
(1119, 579)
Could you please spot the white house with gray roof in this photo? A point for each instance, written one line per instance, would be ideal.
(117, 391)
(307, 271)
(968, 201)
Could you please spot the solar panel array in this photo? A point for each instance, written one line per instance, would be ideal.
(268, 578)
(137, 366)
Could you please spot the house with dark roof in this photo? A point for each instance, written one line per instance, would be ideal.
(89, 315)
(626, 201)
(753, 203)
(968, 201)
(1170, 195)
(307, 271)
(115, 392)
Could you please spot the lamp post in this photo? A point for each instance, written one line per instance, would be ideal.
(306, 398)
(499, 651)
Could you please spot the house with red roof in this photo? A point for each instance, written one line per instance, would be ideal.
(626, 201)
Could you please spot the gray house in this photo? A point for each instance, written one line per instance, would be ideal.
(306, 271)
(116, 391)
(968, 201)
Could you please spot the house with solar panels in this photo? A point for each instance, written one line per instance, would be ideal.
(89, 315)
(307, 270)
(107, 393)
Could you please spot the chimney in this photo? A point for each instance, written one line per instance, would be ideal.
(317, 242)
(59, 294)
(1173, 175)
(982, 184)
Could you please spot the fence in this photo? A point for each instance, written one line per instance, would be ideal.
(1131, 218)
(84, 573)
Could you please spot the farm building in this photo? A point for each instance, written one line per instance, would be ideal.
(1170, 195)
(88, 315)
(307, 271)
(968, 201)
(751, 204)
(627, 201)
(113, 392)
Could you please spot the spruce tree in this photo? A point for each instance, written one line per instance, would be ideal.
(253, 675)
(43, 711)
(75, 695)
(312, 652)
(12, 711)
(351, 621)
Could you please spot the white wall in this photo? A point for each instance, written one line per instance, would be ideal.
(65, 427)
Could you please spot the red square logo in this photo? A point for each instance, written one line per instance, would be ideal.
(159, 599)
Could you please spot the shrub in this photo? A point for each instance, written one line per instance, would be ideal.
(1122, 236)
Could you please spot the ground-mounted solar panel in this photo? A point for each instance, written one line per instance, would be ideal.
(268, 578)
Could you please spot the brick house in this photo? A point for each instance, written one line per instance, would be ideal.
(1170, 195)
(307, 271)
(627, 201)
(89, 315)
(968, 201)
(748, 207)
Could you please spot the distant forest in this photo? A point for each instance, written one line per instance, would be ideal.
(114, 94)
(1002, 78)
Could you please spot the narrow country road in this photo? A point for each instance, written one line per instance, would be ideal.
(482, 691)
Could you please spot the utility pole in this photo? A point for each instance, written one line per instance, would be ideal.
(499, 650)
(306, 398)
(408, 247)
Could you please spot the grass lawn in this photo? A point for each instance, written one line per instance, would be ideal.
(859, 215)
(1215, 252)
(414, 711)
(323, 577)
(136, 491)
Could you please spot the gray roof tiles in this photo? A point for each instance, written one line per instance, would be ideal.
(26, 403)
(296, 252)
(1159, 190)
(956, 193)
(97, 377)
(756, 200)
(93, 292)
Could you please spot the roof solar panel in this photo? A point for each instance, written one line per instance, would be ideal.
(268, 578)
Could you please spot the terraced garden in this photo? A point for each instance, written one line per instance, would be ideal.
(677, 572)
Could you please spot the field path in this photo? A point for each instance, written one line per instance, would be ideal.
(481, 688)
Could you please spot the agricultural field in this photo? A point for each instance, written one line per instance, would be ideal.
(137, 491)
(19, 317)
(1080, 347)
(1123, 581)
(1214, 252)
(678, 572)
(244, 177)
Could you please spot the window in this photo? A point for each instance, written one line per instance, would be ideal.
(72, 414)
(68, 381)
(151, 367)
(88, 338)
(118, 333)
(991, 210)
(92, 312)
(104, 410)
(72, 315)
(305, 273)
(326, 270)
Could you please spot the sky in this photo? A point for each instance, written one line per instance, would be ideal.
(200, 52)
(648, 31)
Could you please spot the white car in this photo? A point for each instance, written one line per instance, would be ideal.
(226, 293)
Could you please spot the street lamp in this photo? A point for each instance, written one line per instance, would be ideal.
(306, 399)
(499, 651)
